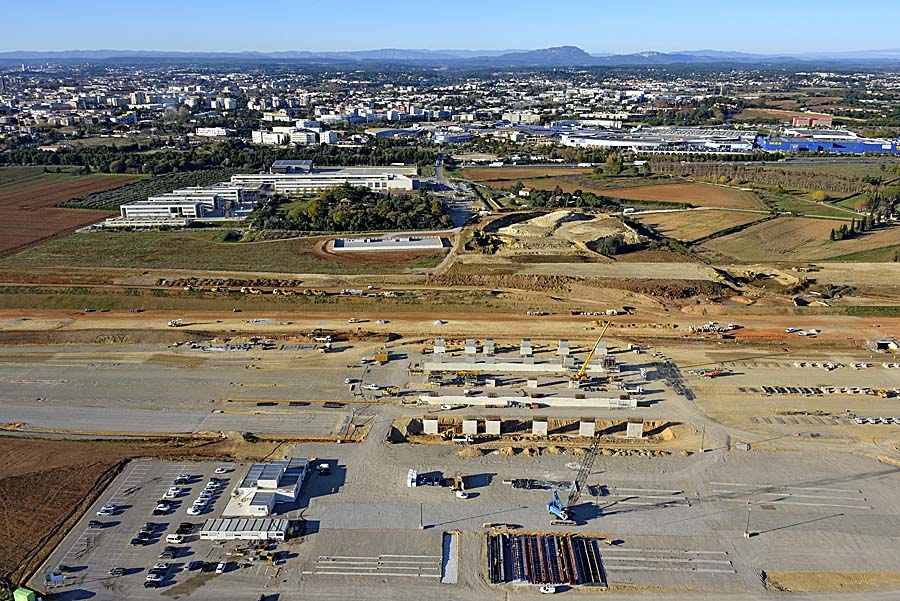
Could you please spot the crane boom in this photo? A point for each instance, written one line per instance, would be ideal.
(581, 372)
(563, 513)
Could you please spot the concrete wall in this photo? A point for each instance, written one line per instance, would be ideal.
(634, 430)
(480, 401)
(539, 427)
(470, 426)
(508, 367)
(430, 426)
(492, 427)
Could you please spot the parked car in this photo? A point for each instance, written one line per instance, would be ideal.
(96, 524)
(174, 538)
(116, 571)
(548, 589)
(222, 567)
(194, 565)
(221, 470)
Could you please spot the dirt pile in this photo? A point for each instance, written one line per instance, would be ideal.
(469, 453)
(538, 283)
(667, 289)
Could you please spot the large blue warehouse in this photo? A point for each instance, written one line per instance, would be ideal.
(835, 141)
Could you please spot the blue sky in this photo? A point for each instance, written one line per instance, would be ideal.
(596, 25)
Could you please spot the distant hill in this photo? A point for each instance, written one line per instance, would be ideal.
(560, 56)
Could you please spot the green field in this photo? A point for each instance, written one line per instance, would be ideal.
(195, 249)
(801, 206)
(886, 254)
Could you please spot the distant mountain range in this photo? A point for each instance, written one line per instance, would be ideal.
(560, 56)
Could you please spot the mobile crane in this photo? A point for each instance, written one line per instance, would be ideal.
(582, 373)
(563, 513)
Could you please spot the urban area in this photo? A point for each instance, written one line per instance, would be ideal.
(384, 328)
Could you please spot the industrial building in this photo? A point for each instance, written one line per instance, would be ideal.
(318, 179)
(244, 529)
(389, 242)
(666, 140)
(220, 200)
(265, 485)
(837, 141)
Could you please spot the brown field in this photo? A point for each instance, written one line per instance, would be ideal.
(760, 113)
(49, 482)
(27, 204)
(701, 195)
(797, 239)
(483, 174)
(50, 189)
(688, 226)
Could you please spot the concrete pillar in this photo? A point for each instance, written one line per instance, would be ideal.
(575, 384)
(488, 346)
(430, 426)
(492, 427)
(439, 346)
(470, 426)
(563, 349)
(587, 427)
(470, 346)
(533, 383)
(525, 348)
(539, 427)
(490, 383)
(635, 429)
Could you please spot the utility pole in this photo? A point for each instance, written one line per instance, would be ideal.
(421, 516)
(702, 438)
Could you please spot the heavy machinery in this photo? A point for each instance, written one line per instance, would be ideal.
(563, 513)
(176, 323)
(582, 373)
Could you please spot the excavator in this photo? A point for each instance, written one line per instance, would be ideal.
(582, 373)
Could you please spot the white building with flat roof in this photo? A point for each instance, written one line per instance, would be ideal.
(319, 179)
(265, 485)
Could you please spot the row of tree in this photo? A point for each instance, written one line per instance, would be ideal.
(147, 159)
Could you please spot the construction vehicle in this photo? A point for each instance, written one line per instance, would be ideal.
(582, 373)
(176, 323)
(563, 513)
(459, 483)
(711, 373)
(255, 291)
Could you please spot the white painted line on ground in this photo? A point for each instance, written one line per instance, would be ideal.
(613, 550)
(674, 492)
(379, 574)
(670, 560)
(664, 569)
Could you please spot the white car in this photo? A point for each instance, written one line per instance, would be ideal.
(790, 330)
(175, 539)
(220, 569)
(548, 589)
(461, 494)
(446, 407)
(372, 387)
(194, 510)
(221, 470)
(349, 380)
(161, 566)
(106, 510)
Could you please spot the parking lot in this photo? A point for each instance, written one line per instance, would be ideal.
(99, 543)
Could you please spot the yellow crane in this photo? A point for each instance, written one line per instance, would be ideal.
(582, 373)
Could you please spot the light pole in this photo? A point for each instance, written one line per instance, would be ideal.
(702, 437)
(747, 529)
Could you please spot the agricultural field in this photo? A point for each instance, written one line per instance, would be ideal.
(688, 226)
(700, 195)
(207, 250)
(799, 205)
(28, 199)
(110, 200)
(798, 239)
(485, 174)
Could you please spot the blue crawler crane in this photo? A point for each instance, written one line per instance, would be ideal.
(563, 513)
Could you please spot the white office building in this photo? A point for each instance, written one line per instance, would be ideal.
(319, 179)
(265, 485)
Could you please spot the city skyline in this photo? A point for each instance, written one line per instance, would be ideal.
(599, 29)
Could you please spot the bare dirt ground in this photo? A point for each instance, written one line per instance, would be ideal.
(688, 226)
(820, 582)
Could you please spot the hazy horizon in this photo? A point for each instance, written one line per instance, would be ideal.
(809, 26)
